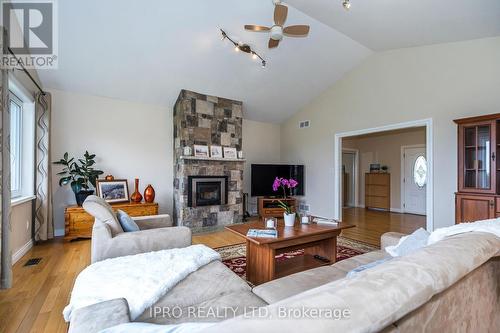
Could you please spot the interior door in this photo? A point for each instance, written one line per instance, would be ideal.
(349, 168)
(414, 180)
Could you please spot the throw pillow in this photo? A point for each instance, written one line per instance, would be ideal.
(409, 244)
(127, 223)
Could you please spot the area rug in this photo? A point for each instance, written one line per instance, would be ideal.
(234, 256)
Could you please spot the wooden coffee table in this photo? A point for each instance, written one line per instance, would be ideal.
(315, 239)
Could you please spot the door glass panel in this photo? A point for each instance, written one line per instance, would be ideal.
(483, 156)
(420, 171)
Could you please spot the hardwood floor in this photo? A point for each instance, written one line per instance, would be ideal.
(371, 224)
(41, 292)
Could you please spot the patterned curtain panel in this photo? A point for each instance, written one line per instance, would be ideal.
(5, 227)
(44, 224)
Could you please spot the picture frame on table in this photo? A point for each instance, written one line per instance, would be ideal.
(216, 151)
(230, 152)
(201, 151)
(113, 191)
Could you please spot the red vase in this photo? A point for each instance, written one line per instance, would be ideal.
(136, 196)
(149, 194)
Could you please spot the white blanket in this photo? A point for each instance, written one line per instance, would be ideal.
(141, 279)
(490, 226)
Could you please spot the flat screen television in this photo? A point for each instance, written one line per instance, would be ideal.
(263, 176)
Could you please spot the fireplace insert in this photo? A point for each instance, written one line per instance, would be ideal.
(207, 190)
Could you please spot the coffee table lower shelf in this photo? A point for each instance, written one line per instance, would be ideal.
(297, 264)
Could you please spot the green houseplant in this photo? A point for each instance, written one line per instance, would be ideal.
(79, 174)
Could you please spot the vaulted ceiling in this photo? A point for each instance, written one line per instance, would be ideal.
(147, 51)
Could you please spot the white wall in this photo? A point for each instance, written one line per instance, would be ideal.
(442, 82)
(384, 148)
(132, 140)
(261, 144)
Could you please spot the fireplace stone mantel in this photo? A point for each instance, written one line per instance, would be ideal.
(207, 120)
(218, 159)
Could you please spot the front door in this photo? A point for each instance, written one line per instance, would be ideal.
(414, 180)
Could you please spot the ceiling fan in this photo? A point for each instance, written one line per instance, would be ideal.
(277, 30)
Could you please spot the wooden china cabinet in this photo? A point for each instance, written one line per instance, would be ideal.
(478, 195)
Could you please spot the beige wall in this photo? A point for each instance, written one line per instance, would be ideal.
(384, 148)
(21, 228)
(442, 82)
(131, 140)
(261, 144)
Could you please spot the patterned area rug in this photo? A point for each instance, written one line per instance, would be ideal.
(234, 256)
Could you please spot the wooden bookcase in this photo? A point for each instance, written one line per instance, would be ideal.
(378, 191)
(268, 207)
(478, 195)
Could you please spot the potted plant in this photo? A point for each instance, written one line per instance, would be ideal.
(79, 174)
(283, 183)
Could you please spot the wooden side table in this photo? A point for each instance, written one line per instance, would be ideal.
(78, 223)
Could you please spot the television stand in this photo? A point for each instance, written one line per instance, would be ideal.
(269, 207)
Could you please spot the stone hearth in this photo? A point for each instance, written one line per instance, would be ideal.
(207, 120)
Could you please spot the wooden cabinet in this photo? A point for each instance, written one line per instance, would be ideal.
(478, 195)
(78, 223)
(268, 207)
(378, 191)
(474, 207)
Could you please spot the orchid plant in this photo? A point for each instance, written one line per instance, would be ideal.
(284, 183)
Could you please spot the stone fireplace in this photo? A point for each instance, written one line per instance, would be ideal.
(208, 191)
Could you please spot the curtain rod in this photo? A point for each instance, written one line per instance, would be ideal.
(26, 71)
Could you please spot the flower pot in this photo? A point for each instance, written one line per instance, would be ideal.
(82, 195)
(289, 219)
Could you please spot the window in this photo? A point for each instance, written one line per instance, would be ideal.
(22, 143)
(420, 171)
(16, 130)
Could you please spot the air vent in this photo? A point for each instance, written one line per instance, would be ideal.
(33, 262)
(304, 124)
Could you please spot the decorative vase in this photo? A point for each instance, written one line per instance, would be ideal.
(136, 196)
(289, 219)
(149, 194)
(109, 177)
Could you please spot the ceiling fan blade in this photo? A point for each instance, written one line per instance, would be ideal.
(296, 30)
(273, 43)
(280, 14)
(252, 27)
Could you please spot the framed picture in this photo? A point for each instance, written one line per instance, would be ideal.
(229, 152)
(201, 151)
(375, 167)
(216, 151)
(113, 191)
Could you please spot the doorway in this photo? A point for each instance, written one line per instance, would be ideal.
(413, 179)
(427, 220)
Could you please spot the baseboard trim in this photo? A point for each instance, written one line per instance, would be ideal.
(21, 252)
(59, 232)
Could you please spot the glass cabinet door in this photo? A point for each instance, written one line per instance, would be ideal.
(477, 157)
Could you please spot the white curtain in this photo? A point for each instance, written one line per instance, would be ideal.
(44, 224)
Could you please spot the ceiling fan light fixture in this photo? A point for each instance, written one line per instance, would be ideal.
(346, 4)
